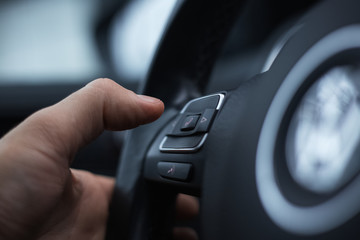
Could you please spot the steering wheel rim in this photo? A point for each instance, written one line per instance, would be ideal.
(195, 35)
(137, 207)
(254, 98)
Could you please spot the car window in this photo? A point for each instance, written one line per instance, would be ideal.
(48, 41)
(55, 41)
(134, 35)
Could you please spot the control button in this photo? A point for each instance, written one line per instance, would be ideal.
(182, 144)
(189, 123)
(176, 171)
(205, 120)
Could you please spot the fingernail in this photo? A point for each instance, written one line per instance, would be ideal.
(149, 99)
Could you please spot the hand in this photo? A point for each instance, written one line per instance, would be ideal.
(40, 196)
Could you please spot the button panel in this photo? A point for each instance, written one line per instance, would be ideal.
(199, 124)
(189, 131)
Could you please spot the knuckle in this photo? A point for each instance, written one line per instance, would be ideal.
(103, 83)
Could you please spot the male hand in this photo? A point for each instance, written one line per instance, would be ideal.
(40, 196)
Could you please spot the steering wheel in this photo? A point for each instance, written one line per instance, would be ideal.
(242, 151)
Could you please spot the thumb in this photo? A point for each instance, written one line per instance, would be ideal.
(60, 130)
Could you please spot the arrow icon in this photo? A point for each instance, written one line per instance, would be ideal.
(189, 121)
(203, 119)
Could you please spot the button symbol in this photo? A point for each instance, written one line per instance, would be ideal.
(189, 121)
(171, 171)
(203, 119)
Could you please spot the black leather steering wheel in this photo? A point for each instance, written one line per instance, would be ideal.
(233, 155)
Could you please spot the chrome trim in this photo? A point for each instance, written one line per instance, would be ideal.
(182, 150)
(221, 100)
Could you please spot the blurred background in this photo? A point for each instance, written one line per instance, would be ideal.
(51, 48)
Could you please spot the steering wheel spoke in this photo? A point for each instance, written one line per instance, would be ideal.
(175, 157)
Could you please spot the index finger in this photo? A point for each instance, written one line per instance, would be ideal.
(60, 130)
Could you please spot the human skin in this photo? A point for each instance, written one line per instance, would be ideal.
(41, 197)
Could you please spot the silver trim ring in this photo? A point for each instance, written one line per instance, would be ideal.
(306, 220)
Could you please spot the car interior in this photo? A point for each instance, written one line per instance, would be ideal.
(261, 108)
